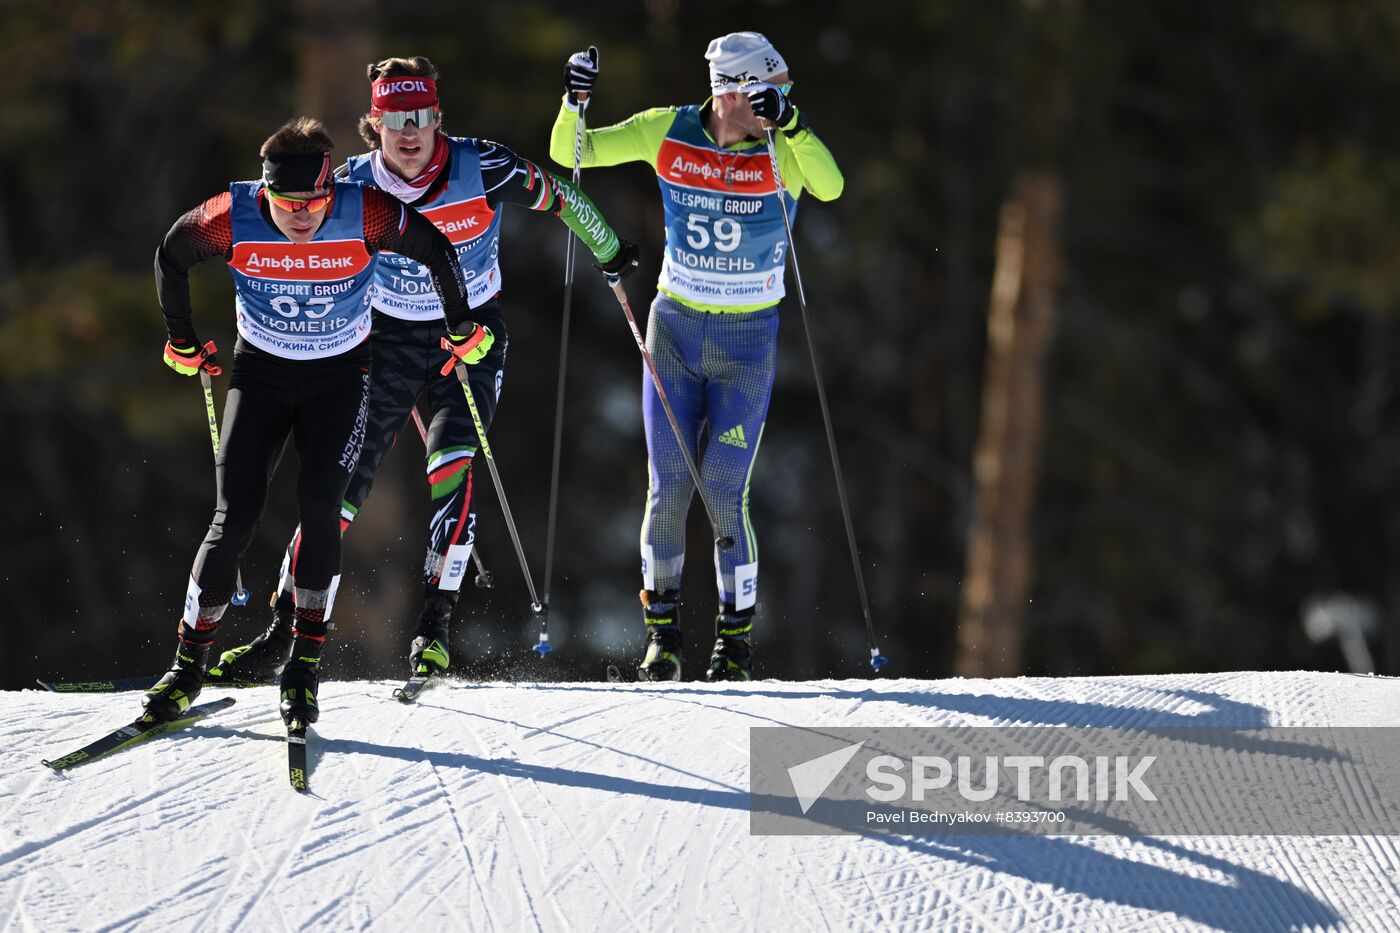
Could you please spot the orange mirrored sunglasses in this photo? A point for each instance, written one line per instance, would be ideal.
(292, 205)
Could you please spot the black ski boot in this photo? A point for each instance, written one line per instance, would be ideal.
(732, 656)
(174, 692)
(258, 661)
(300, 680)
(428, 653)
(661, 612)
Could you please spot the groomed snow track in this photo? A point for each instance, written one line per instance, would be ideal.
(623, 807)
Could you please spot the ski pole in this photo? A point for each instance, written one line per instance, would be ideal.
(722, 541)
(461, 369)
(240, 595)
(543, 648)
(877, 660)
(484, 578)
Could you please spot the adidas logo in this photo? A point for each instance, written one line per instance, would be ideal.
(734, 437)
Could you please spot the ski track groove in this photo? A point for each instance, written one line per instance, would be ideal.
(346, 813)
(572, 719)
(251, 854)
(442, 793)
(22, 796)
(586, 852)
(18, 910)
(690, 895)
(661, 894)
(618, 751)
(817, 896)
(68, 833)
(746, 713)
(289, 850)
(325, 913)
(743, 856)
(806, 875)
(134, 918)
(655, 819)
(145, 863)
(349, 813)
(368, 845)
(387, 915)
(516, 827)
(446, 798)
(355, 901)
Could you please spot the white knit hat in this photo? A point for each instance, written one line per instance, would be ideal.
(741, 57)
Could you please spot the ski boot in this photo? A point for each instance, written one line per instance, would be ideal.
(300, 680)
(732, 657)
(259, 661)
(661, 612)
(428, 653)
(174, 692)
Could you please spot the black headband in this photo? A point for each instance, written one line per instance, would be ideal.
(306, 171)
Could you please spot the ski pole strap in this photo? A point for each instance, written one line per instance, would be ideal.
(192, 358)
(469, 349)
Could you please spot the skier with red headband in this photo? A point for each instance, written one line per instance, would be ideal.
(301, 246)
(460, 184)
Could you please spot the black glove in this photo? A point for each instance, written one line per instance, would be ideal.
(624, 263)
(771, 104)
(580, 72)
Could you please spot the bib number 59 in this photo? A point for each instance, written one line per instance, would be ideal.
(724, 232)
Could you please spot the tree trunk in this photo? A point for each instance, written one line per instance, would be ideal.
(340, 39)
(1006, 465)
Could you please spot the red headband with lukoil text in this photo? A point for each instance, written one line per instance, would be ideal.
(402, 93)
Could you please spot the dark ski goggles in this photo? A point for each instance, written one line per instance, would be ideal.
(398, 119)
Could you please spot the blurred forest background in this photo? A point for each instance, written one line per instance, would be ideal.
(1107, 315)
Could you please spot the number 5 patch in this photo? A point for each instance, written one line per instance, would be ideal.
(745, 585)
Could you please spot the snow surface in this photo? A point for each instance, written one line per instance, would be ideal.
(617, 807)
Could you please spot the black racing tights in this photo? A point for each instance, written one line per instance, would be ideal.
(321, 404)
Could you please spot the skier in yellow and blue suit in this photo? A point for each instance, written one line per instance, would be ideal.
(714, 323)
